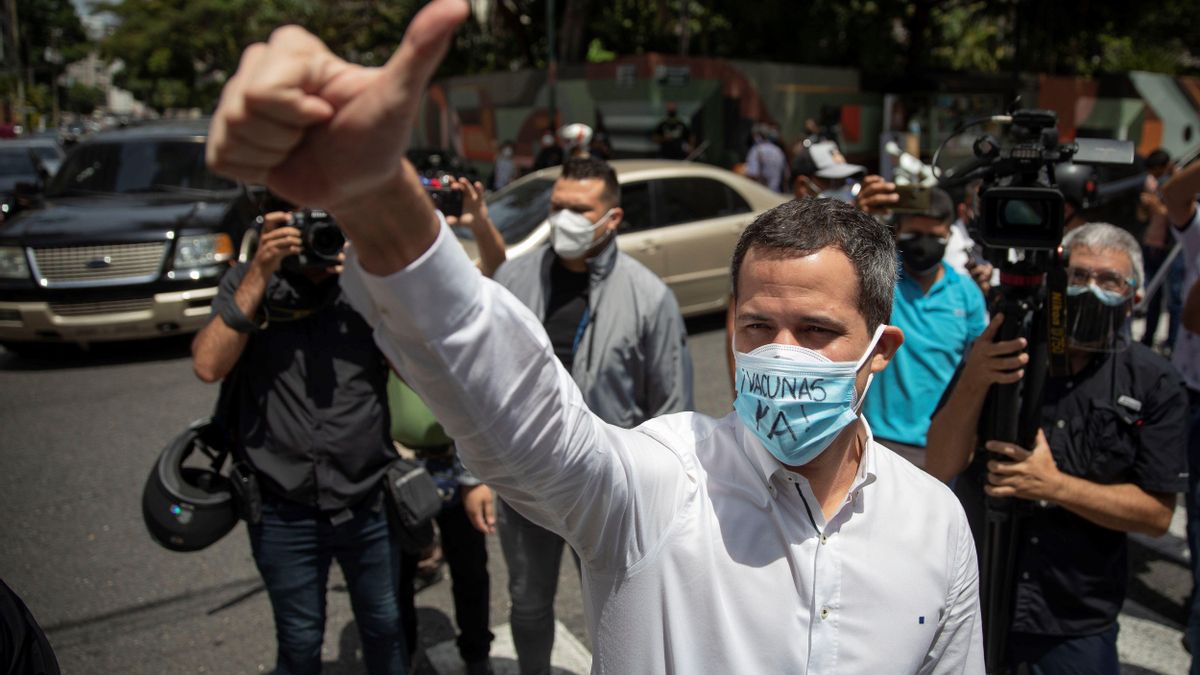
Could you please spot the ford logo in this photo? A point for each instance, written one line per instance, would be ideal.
(99, 263)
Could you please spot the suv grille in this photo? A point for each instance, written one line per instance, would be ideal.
(75, 264)
(105, 307)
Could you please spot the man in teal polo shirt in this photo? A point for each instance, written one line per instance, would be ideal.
(941, 312)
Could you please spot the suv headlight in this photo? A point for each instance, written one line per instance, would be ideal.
(13, 264)
(203, 250)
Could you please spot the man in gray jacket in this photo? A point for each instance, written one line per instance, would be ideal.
(616, 327)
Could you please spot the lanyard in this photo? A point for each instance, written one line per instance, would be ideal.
(583, 322)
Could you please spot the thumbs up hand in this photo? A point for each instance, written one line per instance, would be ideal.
(319, 131)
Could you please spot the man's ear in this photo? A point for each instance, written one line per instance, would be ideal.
(617, 217)
(886, 349)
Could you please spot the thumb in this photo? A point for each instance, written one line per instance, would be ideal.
(425, 43)
(489, 515)
(989, 333)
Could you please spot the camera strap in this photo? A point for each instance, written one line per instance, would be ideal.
(1056, 318)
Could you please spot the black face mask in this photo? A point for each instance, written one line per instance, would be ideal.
(922, 253)
(1096, 320)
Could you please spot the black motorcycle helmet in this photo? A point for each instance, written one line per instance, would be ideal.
(187, 508)
(1077, 183)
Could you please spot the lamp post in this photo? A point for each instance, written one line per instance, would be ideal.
(551, 65)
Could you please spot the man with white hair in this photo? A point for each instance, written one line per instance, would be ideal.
(1108, 459)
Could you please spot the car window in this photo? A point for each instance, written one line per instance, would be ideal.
(636, 203)
(45, 152)
(137, 167)
(684, 200)
(516, 209)
(16, 162)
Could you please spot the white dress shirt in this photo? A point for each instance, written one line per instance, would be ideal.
(701, 553)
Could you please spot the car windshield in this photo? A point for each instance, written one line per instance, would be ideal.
(45, 152)
(16, 162)
(517, 209)
(131, 167)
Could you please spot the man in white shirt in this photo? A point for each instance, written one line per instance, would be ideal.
(702, 550)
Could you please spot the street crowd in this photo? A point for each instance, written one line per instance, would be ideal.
(829, 523)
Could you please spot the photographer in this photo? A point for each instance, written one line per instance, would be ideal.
(311, 415)
(1108, 459)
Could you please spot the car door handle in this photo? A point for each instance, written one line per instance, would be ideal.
(649, 247)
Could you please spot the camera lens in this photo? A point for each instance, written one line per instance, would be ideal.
(326, 240)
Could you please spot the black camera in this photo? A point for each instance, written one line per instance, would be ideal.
(321, 240)
(1021, 206)
(446, 200)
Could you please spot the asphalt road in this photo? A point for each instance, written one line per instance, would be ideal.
(78, 433)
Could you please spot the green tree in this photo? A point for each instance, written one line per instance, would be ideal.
(82, 99)
(50, 35)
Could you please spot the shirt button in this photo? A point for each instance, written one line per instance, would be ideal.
(1024, 575)
(1060, 424)
(1033, 540)
(825, 612)
(824, 539)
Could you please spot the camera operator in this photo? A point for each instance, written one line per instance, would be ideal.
(311, 414)
(1107, 460)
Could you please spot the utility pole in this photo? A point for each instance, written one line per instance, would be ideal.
(551, 66)
(685, 26)
(13, 58)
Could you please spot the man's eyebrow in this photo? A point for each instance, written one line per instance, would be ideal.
(822, 320)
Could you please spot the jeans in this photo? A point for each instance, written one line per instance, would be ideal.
(293, 548)
(533, 555)
(1192, 634)
(465, 551)
(1056, 655)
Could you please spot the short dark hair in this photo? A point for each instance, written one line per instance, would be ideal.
(804, 226)
(590, 166)
(1157, 158)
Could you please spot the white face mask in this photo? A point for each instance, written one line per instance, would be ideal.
(572, 234)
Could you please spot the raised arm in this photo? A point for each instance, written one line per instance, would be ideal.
(218, 346)
(951, 439)
(475, 216)
(321, 132)
(1179, 194)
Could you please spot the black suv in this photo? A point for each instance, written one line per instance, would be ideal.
(130, 241)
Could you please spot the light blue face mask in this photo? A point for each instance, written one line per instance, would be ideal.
(796, 400)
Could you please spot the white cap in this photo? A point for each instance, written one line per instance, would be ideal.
(830, 163)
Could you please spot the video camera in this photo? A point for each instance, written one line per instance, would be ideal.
(1020, 222)
(1021, 206)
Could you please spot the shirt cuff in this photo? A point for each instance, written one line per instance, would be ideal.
(427, 298)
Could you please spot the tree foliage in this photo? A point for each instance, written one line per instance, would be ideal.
(179, 52)
(50, 35)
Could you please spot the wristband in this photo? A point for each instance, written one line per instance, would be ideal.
(233, 317)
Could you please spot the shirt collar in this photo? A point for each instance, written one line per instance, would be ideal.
(768, 469)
